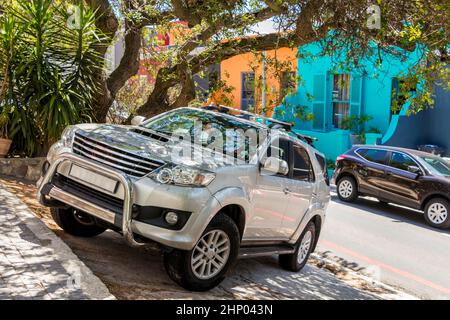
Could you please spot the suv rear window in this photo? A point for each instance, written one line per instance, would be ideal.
(302, 165)
(373, 155)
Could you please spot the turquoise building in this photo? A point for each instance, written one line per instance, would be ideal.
(332, 91)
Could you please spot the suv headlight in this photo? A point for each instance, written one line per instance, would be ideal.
(182, 175)
(68, 135)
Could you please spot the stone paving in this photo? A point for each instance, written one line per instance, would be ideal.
(35, 263)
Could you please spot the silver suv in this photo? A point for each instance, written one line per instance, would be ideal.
(206, 184)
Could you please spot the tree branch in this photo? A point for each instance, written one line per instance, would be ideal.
(185, 13)
(130, 62)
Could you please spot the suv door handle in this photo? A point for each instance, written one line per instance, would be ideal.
(286, 190)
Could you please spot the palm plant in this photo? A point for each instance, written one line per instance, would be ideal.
(52, 80)
(10, 54)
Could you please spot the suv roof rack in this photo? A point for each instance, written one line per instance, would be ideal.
(275, 124)
(225, 109)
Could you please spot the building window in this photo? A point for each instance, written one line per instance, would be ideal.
(340, 98)
(248, 90)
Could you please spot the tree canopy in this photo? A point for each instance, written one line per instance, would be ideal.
(222, 30)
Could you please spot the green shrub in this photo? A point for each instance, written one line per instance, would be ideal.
(47, 70)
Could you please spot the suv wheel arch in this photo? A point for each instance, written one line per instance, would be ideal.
(317, 220)
(347, 174)
(237, 214)
(430, 197)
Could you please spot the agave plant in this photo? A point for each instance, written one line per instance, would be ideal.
(51, 79)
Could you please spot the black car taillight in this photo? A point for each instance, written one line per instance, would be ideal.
(339, 159)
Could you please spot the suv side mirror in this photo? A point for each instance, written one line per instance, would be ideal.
(275, 165)
(415, 169)
(137, 120)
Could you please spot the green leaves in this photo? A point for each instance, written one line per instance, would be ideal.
(48, 68)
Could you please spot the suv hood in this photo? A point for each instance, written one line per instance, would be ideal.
(156, 146)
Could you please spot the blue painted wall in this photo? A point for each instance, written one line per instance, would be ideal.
(427, 127)
(370, 86)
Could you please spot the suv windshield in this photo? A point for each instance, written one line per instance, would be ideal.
(436, 165)
(215, 131)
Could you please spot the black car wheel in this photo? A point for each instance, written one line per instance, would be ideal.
(347, 189)
(297, 260)
(437, 213)
(205, 266)
(76, 222)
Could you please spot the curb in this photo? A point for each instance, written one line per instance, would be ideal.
(394, 293)
(90, 284)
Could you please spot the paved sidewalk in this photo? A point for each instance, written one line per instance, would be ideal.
(35, 263)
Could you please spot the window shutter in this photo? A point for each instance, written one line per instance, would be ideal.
(319, 101)
(355, 95)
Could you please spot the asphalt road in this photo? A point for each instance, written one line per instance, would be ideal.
(136, 273)
(390, 243)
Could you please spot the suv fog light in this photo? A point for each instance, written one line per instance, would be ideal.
(171, 218)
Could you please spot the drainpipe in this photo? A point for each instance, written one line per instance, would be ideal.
(263, 98)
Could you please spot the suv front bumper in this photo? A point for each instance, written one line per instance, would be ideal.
(184, 239)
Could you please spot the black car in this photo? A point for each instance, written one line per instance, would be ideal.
(407, 177)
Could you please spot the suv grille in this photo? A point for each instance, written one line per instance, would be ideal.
(91, 195)
(113, 157)
(150, 134)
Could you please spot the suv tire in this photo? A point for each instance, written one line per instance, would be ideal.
(437, 213)
(347, 190)
(76, 223)
(205, 266)
(297, 260)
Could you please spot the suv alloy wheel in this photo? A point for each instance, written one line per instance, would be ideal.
(297, 260)
(205, 266)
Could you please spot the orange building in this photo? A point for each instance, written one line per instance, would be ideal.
(244, 77)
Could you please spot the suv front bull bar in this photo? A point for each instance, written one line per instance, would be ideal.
(81, 204)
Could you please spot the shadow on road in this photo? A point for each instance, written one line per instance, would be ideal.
(132, 273)
(398, 214)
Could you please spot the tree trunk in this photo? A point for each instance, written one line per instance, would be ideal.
(108, 24)
(159, 103)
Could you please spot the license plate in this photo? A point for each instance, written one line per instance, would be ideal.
(93, 178)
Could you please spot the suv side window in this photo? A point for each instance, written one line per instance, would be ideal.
(302, 165)
(280, 149)
(375, 155)
(401, 161)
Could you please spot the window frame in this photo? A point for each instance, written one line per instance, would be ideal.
(409, 156)
(289, 156)
(338, 101)
(246, 76)
(388, 158)
(401, 153)
(311, 175)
